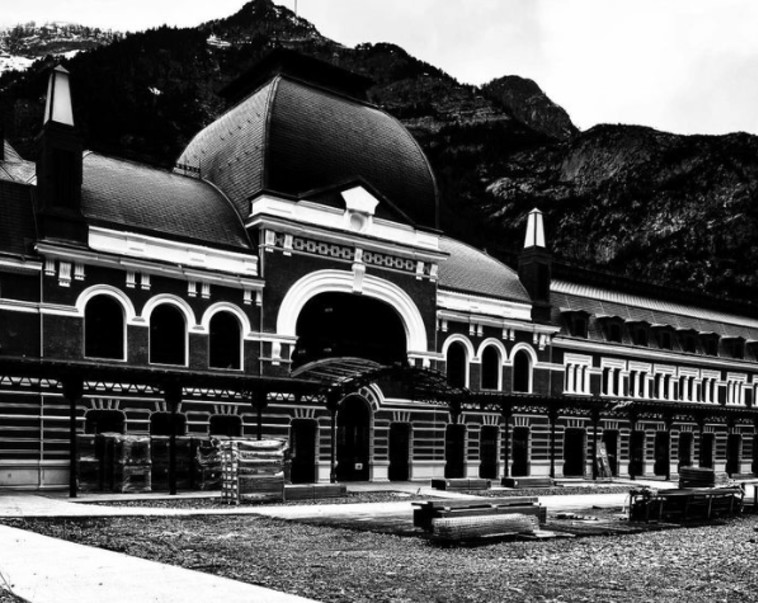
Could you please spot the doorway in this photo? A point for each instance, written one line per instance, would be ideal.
(685, 449)
(574, 452)
(353, 435)
(455, 450)
(706, 449)
(400, 452)
(661, 465)
(303, 450)
(611, 442)
(488, 465)
(636, 453)
(733, 453)
(520, 466)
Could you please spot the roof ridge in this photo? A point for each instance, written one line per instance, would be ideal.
(266, 147)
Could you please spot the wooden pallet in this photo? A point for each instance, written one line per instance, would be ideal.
(461, 484)
(527, 482)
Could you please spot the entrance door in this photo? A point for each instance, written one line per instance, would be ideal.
(685, 449)
(353, 431)
(488, 465)
(574, 452)
(662, 453)
(706, 450)
(733, 453)
(637, 453)
(455, 450)
(303, 438)
(520, 452)
(611, 441)
(400, 452)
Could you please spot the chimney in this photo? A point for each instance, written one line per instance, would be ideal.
(59, 165)
(534, 267)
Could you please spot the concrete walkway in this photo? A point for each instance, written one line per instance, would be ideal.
(41, 569)
(47, 570)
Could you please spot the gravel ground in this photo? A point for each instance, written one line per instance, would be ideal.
(698, 564)
(217, 503)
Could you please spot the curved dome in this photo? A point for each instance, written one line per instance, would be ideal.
(300, 140)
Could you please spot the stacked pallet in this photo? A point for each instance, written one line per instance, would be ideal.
(131, 464)
(253, 470)
(696, 477)
(89, 464)
(455, 483)
(185, 461)
(208, 465)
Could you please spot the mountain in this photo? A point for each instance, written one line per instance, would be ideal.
(21, 45)
(672, 209)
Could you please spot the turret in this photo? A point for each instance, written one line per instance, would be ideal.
(59, 165)
(534, 267)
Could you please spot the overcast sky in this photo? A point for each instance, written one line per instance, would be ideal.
(685, 66)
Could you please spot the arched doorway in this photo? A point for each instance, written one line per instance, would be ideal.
(342, 324)
(353, 439)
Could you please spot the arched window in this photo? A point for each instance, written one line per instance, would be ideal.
(490, 367)
(225, 339)
(168, 335)
(522, 372)
(457, 364)
(104, 328)
(225, 425)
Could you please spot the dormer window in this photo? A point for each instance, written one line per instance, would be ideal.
(688, 340)
(664, 336)
(710, 343)
(638, 330)
(577, 322)
(613, 328)
(734, 347)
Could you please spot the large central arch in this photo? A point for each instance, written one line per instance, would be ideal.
(342, 281)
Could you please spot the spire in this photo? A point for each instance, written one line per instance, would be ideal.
(58, 106)
(535, 230)
(59, 165)
(535, 267)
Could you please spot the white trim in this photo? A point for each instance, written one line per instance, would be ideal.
(20, 265)
(341, 281)
(148, 266)
(265, 208)
(170, 298)
(135, 245)
(488, 306)
(130, 314)
(205, 321)
(529, 350)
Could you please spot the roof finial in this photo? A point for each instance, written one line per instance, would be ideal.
(58, 107)
(535, 230)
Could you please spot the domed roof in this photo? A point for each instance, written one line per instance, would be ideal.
(300, 140)
(473, 271)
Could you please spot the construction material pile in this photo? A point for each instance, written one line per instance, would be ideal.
(185, 447)
(697, 477)
(253, 470)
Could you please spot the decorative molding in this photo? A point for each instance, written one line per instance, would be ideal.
(486, 306)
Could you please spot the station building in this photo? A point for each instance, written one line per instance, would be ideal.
(289, 278)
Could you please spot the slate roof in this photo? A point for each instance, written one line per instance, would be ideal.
(131, 196)
(600, 302)
(17, 229)
(472, 271)
(297, 139)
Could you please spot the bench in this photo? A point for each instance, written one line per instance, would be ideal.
(461, 483)
(478, 510)
(527, 482)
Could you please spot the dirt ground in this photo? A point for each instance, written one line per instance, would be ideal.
(696, 564)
